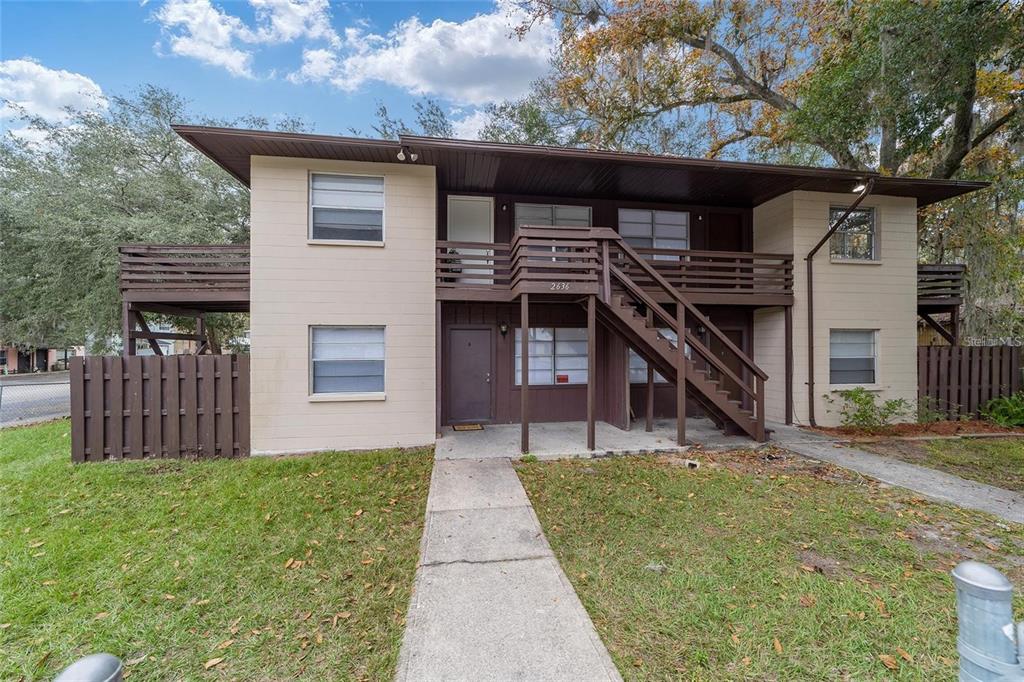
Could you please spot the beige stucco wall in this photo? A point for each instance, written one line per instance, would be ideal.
(881, 295)
(296, 284)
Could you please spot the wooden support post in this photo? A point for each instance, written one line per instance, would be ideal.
(127, 342)
(681, 375)
(954, 323)
(591, 368)
(789, 364)
(649, 407)
(524, 393)
(759, 398)
(201, 331)
(438, 372)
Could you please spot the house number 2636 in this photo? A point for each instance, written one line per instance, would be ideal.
(559, 286)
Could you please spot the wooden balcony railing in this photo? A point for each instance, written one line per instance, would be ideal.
(940, 285)
(567, 260)
(184, 274)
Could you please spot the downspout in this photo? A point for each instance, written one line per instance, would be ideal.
(810, 294)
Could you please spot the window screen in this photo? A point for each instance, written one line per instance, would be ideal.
(346, 207)
(655, 229)
(855, 240)
(347, 359)
(552, 214)
(852, 356)
(557, 356)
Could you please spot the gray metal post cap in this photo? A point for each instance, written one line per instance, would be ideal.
(982, 580)
(93, 668)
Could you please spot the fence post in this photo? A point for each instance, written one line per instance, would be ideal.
(984, 605)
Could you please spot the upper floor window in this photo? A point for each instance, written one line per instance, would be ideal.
(346, 359)
(552, 214)
(655, 229)
(856, 239)
(346, 207)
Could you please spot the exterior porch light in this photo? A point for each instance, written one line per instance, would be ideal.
(503, 328)
(859, 188)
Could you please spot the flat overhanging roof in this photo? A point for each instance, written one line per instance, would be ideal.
(491, 167)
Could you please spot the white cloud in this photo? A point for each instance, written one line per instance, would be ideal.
(472, 62)
(198, 29)
(282, 21)
(469, 126)
(28, 86)
(317, 65)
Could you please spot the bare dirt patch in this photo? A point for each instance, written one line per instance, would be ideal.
(768, 462)
(941, 428)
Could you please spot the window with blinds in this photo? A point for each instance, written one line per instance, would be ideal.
(346, 359)
(552, 214)
(557, 356)
(853, 356)
(655, 229)
(346, 207)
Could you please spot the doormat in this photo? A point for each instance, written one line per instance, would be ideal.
(468, 427)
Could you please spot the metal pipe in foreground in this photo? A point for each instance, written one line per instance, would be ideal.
(94, 668)
(991, 646)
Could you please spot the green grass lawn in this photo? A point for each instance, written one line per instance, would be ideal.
(754, 568)
(256, 569)
(998, 461)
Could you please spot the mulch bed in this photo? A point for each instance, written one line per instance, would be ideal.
(942, 428)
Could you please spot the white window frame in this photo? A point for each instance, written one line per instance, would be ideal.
(876, 335)
(346, 242)
(875, 240)
(530, 204)
(653, 224)
(344, 397)
(517, 379)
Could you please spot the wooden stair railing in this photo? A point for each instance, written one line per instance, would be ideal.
(614, 245)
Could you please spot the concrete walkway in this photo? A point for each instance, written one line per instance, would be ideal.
(930, 483)
(490, 601)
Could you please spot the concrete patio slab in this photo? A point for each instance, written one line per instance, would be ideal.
(496, 534)
(569, 439)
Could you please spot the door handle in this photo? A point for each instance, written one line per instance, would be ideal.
(487, 378)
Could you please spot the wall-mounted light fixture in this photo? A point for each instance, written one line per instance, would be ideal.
(859, 188)
(503, 328)
(402, 156)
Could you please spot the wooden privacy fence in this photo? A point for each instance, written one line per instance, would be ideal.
(176, 406)
(959, 380)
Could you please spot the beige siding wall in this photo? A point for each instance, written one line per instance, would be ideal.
(296, 284)
(773, 233)
(880, 296)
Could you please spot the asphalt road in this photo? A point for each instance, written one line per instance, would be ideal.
(28, 398)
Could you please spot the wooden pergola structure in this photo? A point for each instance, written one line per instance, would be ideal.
(180, 280)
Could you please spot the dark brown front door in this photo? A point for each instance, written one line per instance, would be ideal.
(469, 375)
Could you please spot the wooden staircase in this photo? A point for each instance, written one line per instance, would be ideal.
(630, 311)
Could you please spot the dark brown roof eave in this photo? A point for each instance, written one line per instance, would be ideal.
(925, 190)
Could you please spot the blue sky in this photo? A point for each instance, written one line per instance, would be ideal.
(328, 63)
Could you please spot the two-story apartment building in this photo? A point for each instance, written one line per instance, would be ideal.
(393, 284)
